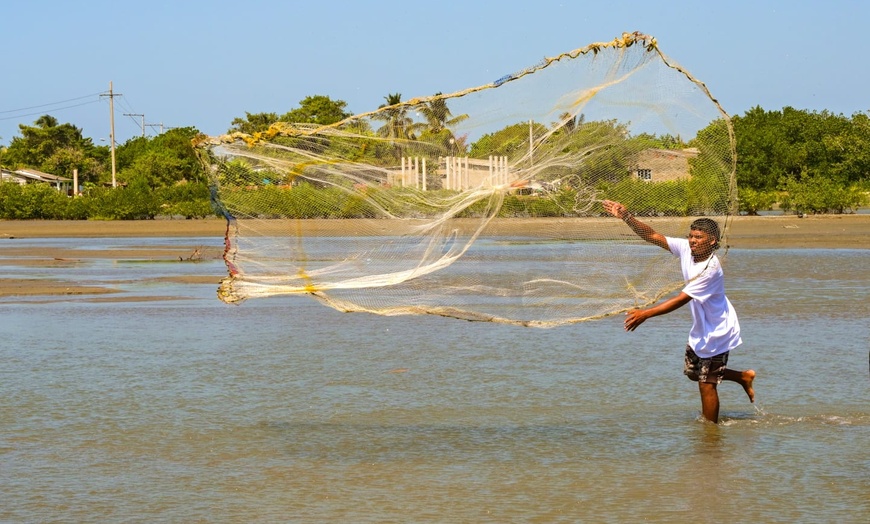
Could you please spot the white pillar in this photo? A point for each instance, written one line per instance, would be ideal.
(424, 173)
(446, 172)
(504, 170)
(403, 171)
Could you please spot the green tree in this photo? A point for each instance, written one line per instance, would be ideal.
(436, 128)
(511, 141)
(317, 109)
(820, 194)
(90, 165)
(32, 201)
(712, 188)
(759, 147)
(853, 146)
(46, 121)
(51, 147)
(395, 114)
(437, 114)
(570, 122)
(165, 160)
(776, 144)
(752, 201)
(252, 123)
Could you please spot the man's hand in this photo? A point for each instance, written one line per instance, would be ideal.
(642, 230)
(634, 318)
(615, 208)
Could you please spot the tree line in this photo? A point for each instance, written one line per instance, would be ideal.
(809, 162)
(799, 160)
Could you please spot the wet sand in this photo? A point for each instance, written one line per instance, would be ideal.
(813, 232)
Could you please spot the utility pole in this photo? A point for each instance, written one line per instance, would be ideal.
(111, 94)
(160, 125)
(143, 121)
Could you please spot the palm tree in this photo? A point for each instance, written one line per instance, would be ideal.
(436, 128)
(46, 121)
(437, 115)
(571, 122)
(398, 124)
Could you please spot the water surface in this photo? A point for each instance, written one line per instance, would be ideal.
(187, 409)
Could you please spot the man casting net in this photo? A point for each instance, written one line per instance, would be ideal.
(484, 204)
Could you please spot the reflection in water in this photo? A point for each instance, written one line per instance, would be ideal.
(709, 441)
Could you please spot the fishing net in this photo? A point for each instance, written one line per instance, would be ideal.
(484, 204)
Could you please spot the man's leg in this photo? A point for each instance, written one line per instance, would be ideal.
(709, 401)
(744, 378)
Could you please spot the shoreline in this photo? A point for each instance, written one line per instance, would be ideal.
(749, 232)
(763, 232)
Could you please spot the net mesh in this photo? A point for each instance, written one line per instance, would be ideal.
(484, 204)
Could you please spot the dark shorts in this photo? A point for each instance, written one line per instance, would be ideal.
(709, 370)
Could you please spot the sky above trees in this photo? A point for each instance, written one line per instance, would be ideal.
(202, 64)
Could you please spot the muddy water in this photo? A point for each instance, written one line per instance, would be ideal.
(182, 408)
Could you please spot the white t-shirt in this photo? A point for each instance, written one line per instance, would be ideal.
(715, 328)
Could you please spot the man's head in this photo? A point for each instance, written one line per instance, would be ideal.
(710, 227)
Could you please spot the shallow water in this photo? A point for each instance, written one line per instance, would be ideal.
(186, 409)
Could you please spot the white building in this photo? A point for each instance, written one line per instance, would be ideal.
(32, 176)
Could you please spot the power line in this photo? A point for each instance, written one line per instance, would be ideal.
(49, 104)
(143, 120)
(125, 104)
(99, 98)
(51, 111)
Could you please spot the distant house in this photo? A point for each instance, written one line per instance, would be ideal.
(32, 176)
(9, 176)
(663, 165)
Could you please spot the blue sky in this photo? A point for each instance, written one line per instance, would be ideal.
(203, 63)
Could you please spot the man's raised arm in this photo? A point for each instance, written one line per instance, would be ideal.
(640, 229)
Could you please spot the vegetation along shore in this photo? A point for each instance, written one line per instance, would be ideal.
(798, 161)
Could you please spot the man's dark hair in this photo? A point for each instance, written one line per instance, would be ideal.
(709, 226)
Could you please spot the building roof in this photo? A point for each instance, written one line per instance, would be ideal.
(33, 174)
(689, 152)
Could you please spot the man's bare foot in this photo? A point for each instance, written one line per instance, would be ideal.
(747, 377)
